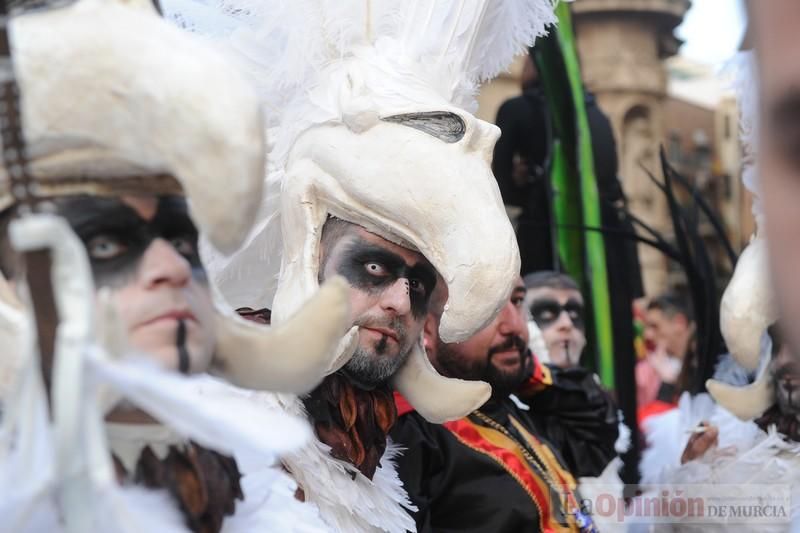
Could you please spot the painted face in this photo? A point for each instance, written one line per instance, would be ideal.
(774, 26)
(390, 290)
(559, 313)
(145, 250)
(497, 354)
(786, 371)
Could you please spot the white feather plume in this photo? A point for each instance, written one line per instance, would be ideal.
(347, 500)
(211, 412)
(746, 86)
(319, 61)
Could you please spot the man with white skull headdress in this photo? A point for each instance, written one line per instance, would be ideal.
(110, 159)
(382, 176)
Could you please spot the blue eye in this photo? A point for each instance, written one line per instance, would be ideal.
(184, 246)
(104, 247)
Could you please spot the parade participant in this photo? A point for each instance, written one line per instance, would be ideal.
(492, 470)
(661, 376)
(556, 305)
(574, 412)
(383, 176)
(120, 154)
(749, 435)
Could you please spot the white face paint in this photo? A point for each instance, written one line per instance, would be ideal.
(559, 315)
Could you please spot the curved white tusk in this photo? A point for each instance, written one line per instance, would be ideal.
(344, 350)
(292, 357)
(748, 305)
(746, 403)
(437, 398)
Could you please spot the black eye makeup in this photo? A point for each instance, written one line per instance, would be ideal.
(116, 236)
(546, 311)
(173, 223)
(104, 246)
(371, 268)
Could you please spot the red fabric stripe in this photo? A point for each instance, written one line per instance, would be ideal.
(402, 404)
(655, 407)
(468, 433)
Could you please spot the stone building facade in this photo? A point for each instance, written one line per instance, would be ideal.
(622, 46)
(654, 98)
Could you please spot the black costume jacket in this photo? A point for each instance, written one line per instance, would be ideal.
(575, 414)
(469, 477)
(466, 476)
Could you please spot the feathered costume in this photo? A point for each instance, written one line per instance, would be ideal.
(102, 121)
(368, 103)
(750, 452)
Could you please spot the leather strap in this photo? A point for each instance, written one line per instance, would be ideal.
(23, 189)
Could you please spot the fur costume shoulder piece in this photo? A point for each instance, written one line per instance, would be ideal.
(347, 500)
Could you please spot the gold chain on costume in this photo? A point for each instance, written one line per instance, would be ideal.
(538, 460)
(566, 494)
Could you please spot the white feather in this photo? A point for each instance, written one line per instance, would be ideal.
(201, 408)
(623, 442)
(746, 456)
(666, 435)
(208, 411)
(30, 486)
(270, 505)
(607, 483)
(746, 86)
(318, 61)
(347, 500)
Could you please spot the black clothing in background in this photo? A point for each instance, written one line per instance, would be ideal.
(578, 417)
(524, 125)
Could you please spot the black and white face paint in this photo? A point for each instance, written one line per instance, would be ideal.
(545, 311)
(116, 236)
(560, 316)
(390, 292)
(373, 269)
(145, 250)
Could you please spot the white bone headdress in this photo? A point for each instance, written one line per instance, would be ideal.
(115, 100)
(369, 101)
(748, 305)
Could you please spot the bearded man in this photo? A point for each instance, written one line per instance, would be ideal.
(381, 174)
(492, 470)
